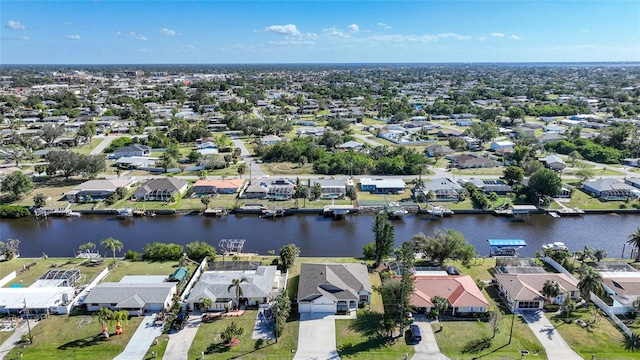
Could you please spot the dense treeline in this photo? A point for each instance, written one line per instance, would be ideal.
(587, 149)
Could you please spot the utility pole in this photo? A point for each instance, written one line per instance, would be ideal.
(513, 317)
(26, 312)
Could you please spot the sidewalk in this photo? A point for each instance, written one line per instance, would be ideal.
(15, 338)
(554, 345)
(141, 340)
(427, 349)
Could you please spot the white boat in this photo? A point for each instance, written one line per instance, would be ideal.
(555, 246)
(125, 212)
(73, 214)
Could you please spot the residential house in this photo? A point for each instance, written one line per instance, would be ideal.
(383, 186)
(97, 189)
(489, 186)
(622, 283)
(331, 189)
(464, 122)
(449, 133)
(610, 189)
(523, 291)
(438, 149)
(443, 188)
(350, 145)
(333, 288)
(553, 162)
(501, 145)
(135, 294)
(261, 286)
(635, 182)
(468, 161)
(136, 162)
(271, 189)
(257, 189)
(215, 187)
(132, 150)
(271, 140)
(461, 291)
(160, 189)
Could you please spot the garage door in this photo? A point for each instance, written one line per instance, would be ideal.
(325, 308)
(304, 307)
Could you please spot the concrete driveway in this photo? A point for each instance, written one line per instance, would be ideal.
(317, 337)
(180, 341)
(554, 345)
(427, 349)
(140, 341)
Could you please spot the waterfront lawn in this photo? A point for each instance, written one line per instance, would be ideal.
(208, 340)
(478, 269)
(584, 201)
(87, 271)
(75, 337)
(126, 267)
(51, 188)
(601, 338)
(472, 339)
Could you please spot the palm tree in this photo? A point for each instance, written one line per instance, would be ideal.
(440, 304)
(600, 254)
(634, 240)
(87, 247)
(113, 245)
(205, 200)
(235, 283)
(590, 282)
(550, 290)
(205, 303)
(568, 306)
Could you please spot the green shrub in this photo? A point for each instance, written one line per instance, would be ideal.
(131, 255)
(552, 307)
(14, 211)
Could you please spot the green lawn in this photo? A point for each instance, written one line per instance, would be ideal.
(601, 338)
(75, 337)
(208, 340)
(584, 201)
(86, 148)
(144, 268)
(87, 271)
(286, 168)
(480, 171)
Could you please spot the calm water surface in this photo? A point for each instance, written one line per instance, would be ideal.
(315, 235)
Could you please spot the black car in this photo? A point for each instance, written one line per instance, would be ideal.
(179, 321)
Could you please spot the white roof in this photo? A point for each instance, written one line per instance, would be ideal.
(35, 297)
(143, 279)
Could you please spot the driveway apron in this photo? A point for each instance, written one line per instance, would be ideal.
(554, 345)
(427, 349)
(317, 337)
(180, 341)
(141, 340)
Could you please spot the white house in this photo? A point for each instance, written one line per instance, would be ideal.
(501, 145)
(135, 294)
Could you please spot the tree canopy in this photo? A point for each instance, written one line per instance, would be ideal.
(450, 244)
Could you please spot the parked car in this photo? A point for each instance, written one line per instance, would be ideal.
(414, 330)
(178, 322)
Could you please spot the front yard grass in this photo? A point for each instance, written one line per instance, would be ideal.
(584, 201)
(601, 338)
(208, 340)
(75, 337)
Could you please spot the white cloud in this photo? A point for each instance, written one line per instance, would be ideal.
(292, 42)
(68, 23)
(482, 38)
(168, 32)
(336, 33)
(584, 30)
(14, 25)
(353, 28)
(497, 34)
(22, 38)
(289, 29)
(384, 26)
(516, 37)
(132, 35)
(419, 38)
(73, 37)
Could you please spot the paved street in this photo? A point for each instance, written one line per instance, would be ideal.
(317, 337)
(554, 345)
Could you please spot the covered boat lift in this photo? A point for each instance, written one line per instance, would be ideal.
(506, 247)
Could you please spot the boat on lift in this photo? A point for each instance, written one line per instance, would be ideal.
(555, 246)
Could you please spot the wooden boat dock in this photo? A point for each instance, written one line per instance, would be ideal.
(273, 213)
(43, 213)
(337, 211)
(215, 212)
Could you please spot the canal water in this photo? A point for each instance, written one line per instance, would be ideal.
(314, 235)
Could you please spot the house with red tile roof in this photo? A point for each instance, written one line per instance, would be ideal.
(461, 290)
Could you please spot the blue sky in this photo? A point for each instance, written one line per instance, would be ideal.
(205, 32)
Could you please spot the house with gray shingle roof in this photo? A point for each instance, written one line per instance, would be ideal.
(135, 294)
(524, 291)
(333, 288)
(610, 189)
(132, 150)
(160, 189)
